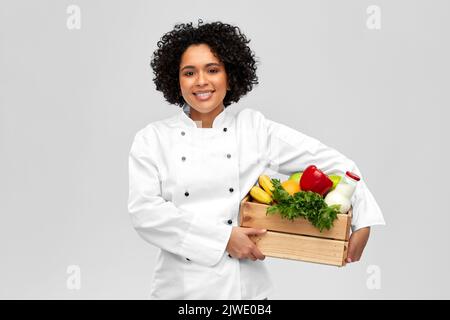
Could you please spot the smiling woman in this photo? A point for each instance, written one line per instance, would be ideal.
(227, 44)
(187, 180)
(203, 83)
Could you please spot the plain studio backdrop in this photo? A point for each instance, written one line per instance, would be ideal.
(369, 78)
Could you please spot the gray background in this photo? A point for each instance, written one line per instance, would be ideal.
(72, 100)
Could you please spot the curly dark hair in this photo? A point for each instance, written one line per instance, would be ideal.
(227, 43)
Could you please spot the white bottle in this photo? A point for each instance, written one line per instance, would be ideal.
(343, 192)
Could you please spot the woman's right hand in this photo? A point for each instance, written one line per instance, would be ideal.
(241, 246)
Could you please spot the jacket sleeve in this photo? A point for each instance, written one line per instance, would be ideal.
(160, 222)
(290, 151)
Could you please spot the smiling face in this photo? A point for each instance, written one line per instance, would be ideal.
(203, 80)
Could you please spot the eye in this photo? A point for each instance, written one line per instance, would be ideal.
(188, 73)
(214, 70)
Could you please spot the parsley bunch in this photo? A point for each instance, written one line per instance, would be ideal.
(305, 204)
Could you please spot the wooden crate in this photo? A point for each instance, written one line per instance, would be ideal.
(298, 239)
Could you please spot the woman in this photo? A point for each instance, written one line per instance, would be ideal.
(188, 173)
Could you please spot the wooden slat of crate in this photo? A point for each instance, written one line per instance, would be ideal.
(305, 248)
(253, 215)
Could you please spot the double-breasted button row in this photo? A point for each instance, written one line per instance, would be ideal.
(183, 133)
(183, 158)
(187, 193)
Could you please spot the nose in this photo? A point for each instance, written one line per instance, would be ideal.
(201, 79)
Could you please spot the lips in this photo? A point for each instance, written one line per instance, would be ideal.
(203, 95)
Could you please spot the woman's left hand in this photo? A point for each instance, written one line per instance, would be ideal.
(357, 243)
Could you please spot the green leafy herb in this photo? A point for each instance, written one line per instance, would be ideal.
(304, 204)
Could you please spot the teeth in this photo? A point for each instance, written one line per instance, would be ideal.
(203, 94)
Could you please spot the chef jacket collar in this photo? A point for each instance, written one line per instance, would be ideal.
(221, 120)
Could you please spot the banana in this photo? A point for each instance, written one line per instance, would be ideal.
(260, 195)
(266, 184)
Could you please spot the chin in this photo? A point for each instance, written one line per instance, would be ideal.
(204, 108)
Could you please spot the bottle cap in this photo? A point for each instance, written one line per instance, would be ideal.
(353, 176)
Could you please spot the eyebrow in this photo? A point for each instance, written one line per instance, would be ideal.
(207, 65)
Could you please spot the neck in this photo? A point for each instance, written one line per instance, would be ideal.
(206, 119)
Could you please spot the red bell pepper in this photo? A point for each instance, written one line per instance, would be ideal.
(315, 180)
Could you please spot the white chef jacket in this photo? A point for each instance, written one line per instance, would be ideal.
(185, 187)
